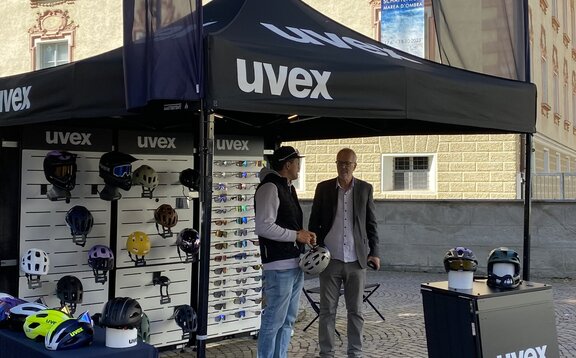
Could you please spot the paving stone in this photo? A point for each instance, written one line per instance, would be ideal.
(402, 334)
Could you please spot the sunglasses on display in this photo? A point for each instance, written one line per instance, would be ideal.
(256, 300)
(244, 197)
(219, 306)
(241, 243)
(244, 220)
(219, 174)
(220, 270)
(241, 292)
(223, 210)
(220, 222)
(220, 186)
(240, 300)
(241, 269)
(244, 186)
(223, 163)
(220, 233)
(221, 246)
(222, 198)
(256, 278)
(256, 289)
(257, 313)
(220, 258)
(241, 280)
(219, 294)
(121, 171)
(241, 208)
(219, 282)
(255, 242)
(241, 232)
(220, 317)
(240, 314)
(241, 256)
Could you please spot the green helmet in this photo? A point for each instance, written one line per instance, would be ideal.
(144, 328)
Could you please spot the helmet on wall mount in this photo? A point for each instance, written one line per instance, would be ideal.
(69, 290)
(315, 260)
(35, 263)
(188, 242)
(190, 178)
(186, 318)
(100, 260)
(138, 244)
(60, 171)
(147, 177)
(166, 218)
(116, 170)
(80, 221)
(504, 255)
(460, 259)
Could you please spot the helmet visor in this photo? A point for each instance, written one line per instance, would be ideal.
(462, 265)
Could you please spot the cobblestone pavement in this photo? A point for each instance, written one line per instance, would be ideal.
(402, 334)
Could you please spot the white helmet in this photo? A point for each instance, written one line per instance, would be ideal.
(35, 262)
(28, 308)
(315, 260)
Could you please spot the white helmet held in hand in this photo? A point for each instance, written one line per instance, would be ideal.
(315, 260)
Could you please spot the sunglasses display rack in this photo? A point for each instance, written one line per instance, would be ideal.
(235, 291)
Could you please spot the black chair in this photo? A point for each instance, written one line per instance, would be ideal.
(369, 290)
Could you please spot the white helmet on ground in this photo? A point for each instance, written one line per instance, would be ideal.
(315, 260)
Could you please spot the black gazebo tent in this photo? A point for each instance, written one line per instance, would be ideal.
(283, 71)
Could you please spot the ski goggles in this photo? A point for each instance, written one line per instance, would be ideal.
(122, 171)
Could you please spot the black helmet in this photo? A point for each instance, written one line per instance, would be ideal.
(188, 241)
(122, 313)
(190, 178)
(60, 169)
(460, 259)
(80, 221)
(186, 318)
(503, 255)
(116, 169)
(70, 291)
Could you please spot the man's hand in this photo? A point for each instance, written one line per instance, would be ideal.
(376, 261)
(306, 237)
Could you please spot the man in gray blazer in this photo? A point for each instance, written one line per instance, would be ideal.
(343, 218)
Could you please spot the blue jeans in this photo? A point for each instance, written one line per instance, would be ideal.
(282, 295)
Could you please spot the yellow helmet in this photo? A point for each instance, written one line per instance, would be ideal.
(138, 243)
(38, 324)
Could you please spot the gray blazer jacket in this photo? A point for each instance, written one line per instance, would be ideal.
(365, 227)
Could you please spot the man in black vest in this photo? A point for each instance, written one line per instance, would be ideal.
(279, 223)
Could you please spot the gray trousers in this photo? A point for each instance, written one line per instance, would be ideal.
(352, 277)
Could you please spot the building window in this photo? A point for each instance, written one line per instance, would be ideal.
(51, 53)
(408, 173)
(52, 39)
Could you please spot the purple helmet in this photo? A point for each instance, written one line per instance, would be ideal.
(101, 260)
(6, 303)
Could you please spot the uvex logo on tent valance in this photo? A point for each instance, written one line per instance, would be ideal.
(14, 99)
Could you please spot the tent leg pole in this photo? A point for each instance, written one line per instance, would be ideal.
(527, 207)
(206, 157)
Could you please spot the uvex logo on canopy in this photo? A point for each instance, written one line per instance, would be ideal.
(15, 99)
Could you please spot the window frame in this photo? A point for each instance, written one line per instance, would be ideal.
(387, 174)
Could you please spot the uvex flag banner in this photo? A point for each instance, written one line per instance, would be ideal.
(485, 36)
(162, 52)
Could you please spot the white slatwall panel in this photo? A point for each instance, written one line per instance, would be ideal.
(136, 282)
(231, 324)
(43, 226)
(137, 214)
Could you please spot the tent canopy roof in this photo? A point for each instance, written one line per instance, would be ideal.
(267, 61)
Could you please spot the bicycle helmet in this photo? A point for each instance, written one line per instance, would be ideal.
(38, 324)
(70, 291)
(6, 304)
(27, 308)
(186, 318)
(138, 244)
(80, 221)
(60, 169)
(315, 260)
(188, 241)
(116, 169)
(503, 255)
(100, 260)
(35, 263)
(145, 176)
(122, 313)
(460, 259)
(69, 334)
(144, 328)
(166, 218)
(4, 295)
(190, 178)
